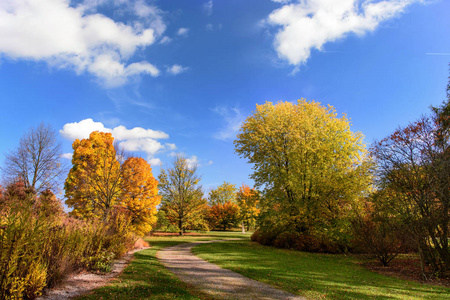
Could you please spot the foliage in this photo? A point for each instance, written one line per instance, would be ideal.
(311, 166)
(223, 216)
(139, 194)
(182, 196)
(37, 161)
(413, 170)
(248, 202)
(40, 245)
(93, 184)
(226, 192)
(378, 232)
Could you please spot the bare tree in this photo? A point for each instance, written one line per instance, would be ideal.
(37, 160)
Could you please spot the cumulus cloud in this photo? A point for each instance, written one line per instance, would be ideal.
(183, 31)
(79, 38)
(309, 24)
(136, 139)
(176, 69)
(233, 120)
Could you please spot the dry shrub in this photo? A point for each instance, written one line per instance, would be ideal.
(40, 245)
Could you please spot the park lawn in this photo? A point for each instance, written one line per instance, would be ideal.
(315, 276)
(146, 278)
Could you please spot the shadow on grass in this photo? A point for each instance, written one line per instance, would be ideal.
(316, 276)
(146, 278)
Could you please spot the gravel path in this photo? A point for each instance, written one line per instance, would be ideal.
(213, 280)
(79, 284)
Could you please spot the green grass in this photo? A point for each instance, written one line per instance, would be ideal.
(315, 276)
(146, 278)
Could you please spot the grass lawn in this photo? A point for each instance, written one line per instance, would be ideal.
(146, 278)
(315, 276)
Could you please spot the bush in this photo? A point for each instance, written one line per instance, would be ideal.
(380, 237)
(288, 240)
(40, 245)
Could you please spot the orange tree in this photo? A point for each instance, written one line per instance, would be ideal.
(139, 194)
(93, 184)
(223, 216)
(248, 201)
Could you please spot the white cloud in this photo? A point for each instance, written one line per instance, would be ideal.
(136, 139)
(67, 156)
(176, 69)
(122, 133)
(183, 31)
(82, 129)
(165, 40)
(208, 8)
(309, 24)
(209, 27)
(170, 146)
(149, 146)
(192, 161)
(233, 121)
(155, 162)
(78, 38)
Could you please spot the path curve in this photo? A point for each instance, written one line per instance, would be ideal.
(212, 279)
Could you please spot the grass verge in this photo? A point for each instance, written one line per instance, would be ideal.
(315, 276)
(146, 278)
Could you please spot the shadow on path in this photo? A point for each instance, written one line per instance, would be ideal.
(213, 280)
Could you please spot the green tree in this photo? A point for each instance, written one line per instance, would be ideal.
(309, 163)
(226, 192)
(182, 196)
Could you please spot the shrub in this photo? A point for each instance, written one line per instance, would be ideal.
(287, 239)
(40, 245)
(379, 236)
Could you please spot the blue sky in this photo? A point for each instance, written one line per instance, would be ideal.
(180, 76)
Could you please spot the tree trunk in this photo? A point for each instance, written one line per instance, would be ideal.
(243, 227)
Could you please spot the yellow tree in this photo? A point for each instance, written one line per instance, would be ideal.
(309, 162)
(139, 194)
(226, 192)
(248, 201)
(182, 196)
(93, 185)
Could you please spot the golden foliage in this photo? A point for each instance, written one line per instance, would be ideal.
(139, 194)
(93, 184)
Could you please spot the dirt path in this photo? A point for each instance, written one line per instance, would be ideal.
(79, 284)
(213, 280)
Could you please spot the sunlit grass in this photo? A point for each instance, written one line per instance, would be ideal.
(316, 276)
(147, 278)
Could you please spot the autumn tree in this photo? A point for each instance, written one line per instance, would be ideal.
(139, 194)
(248, 202)
(308, 162)
(413, 166)
(182, 196)
(37, 160)
(93, 186)
(223, 216)
(226, 192)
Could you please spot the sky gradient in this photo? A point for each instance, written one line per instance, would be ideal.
(180, 76)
